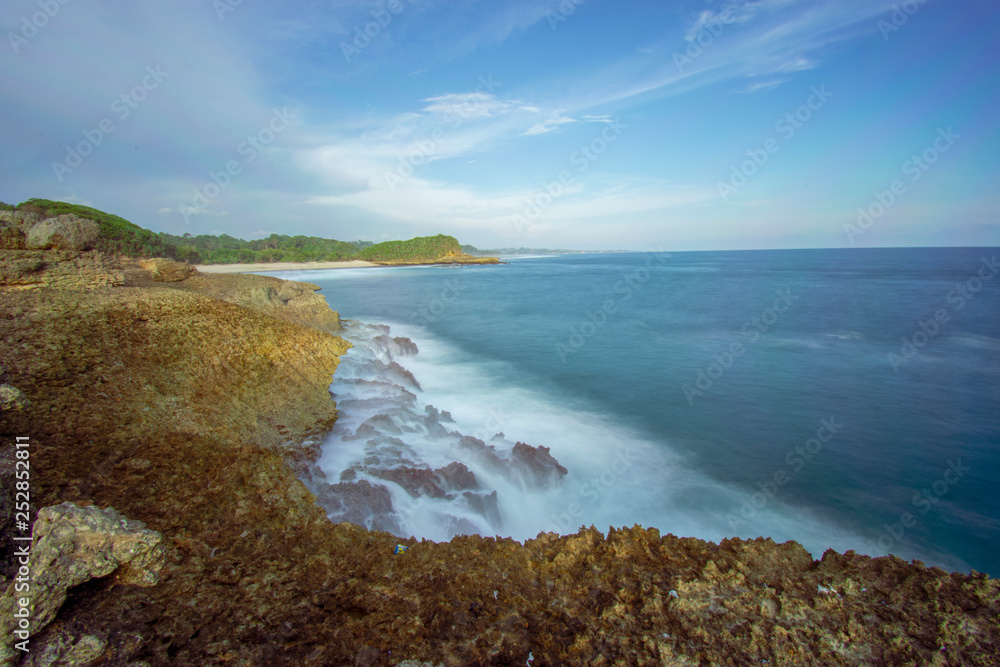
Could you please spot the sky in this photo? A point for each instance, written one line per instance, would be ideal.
(584, 124)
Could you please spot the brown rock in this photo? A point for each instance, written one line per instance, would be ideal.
(12, 238)
(71, 545)
(287, 300)
(67, 232)
(214, 395)
(167, 271)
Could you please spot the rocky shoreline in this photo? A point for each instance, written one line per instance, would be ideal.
(195, 404)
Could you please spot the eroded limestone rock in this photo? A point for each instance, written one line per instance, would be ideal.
(71, 545)
(31, 269)
(65, 232)
(168, 271)
(12, 238)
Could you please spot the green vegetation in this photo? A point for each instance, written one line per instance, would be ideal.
(121, 237)
(225, 249)
(117, 235)
(422, 248)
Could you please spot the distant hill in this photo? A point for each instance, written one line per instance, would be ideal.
(121, 237)
(472, 250)
(422, 248)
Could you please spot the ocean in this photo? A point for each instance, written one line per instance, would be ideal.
(845, 399)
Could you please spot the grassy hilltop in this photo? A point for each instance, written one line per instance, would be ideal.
(121, 237)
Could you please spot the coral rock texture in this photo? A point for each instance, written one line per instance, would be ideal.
(72, 545)
(187, 405)
(65, 232)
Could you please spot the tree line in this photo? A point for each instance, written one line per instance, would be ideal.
(121, 237)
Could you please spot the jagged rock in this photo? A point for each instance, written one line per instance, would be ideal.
(67, 649)
(31, 269)
(360, 503)
(208, 393)
(285, 299)
(168, 271)
(12, 238)
(485, 504)
(397, 346)
(458, 476)
(416, 481)
(73, 544)
(65, 232)
(23, 220)
(12, 398)
(536, 464)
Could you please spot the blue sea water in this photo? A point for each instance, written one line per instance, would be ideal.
(846, 399)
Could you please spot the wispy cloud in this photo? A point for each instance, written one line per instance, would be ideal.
(762, 86)
(797, 64)
(774, 37)
(473, 105)
(548, 125)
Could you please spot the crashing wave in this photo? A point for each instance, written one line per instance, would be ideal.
(396, 464)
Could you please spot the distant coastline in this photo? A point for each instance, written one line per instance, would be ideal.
(282, 266)
(257, 267)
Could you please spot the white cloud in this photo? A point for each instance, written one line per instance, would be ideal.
(547, 125)
(472, 105)
(798, 64)
(762, 86)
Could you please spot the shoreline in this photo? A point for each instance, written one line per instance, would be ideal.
(282, 266)
(197, 408)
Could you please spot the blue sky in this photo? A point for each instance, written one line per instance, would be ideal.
(584, 124)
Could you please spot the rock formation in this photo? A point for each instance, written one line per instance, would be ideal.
(65, 232)
(186, 405)
(166, 270)
(72, 545)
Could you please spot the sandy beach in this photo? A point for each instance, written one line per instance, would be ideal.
(282, 266)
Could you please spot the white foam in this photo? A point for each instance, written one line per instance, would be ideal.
(616, 476)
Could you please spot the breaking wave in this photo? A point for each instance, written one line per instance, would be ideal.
(433, 442)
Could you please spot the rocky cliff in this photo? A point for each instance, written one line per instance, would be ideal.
(184, 402)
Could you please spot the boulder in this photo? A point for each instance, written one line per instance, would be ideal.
(12, 398)
(23, 220)
(72, 545)
(11, 237)
(65, 232)
(168, 271)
